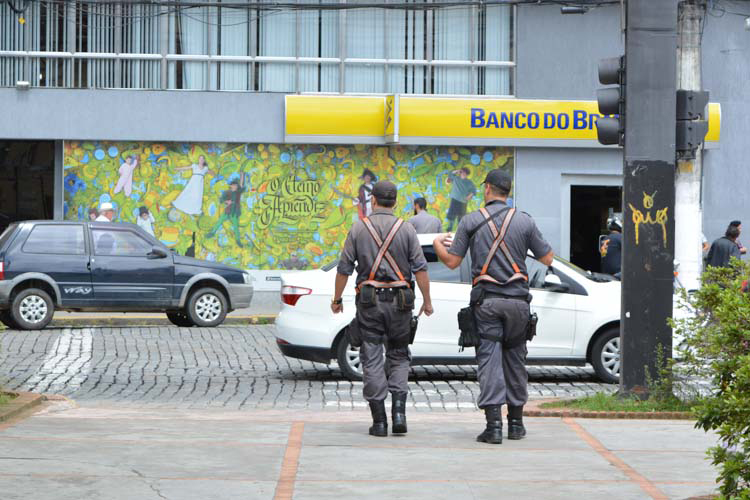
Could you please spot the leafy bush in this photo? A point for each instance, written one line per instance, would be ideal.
(717, 348)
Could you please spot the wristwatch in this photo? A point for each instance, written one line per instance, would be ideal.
(337, 301)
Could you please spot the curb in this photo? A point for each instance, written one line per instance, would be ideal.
(533, 410)
(23, 402)
(78, 322)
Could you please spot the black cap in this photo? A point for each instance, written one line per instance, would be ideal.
(385, 190)
(499, 179)
(735, 223)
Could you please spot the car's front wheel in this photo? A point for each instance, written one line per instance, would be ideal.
(32, 309)
(207, 307)
(349, 360)
(605, 356)
(179, 319)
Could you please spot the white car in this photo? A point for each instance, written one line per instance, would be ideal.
(579, 317)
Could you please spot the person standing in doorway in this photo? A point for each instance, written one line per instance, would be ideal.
(611, 249)
(724, 248)
(385, 252)
(422, 221)
(462, 191)
(499, 238)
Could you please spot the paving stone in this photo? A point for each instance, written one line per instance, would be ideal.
(227, 367)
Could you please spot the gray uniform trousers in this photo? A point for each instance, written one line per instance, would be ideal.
(383, 326)
(502, 372)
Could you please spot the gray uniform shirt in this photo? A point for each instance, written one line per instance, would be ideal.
(362, 249)
(425, 223)
(522, 236)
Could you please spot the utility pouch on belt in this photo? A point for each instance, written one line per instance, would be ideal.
(531, 331)
(354, 334)
(366, 296)
(467, 323)
(405, 299)
(413, 324)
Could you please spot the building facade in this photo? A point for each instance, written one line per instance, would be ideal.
(179, 109)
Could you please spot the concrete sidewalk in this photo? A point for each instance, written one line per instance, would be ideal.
(119, 453)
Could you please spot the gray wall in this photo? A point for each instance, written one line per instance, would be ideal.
(726, 75)
(557, 59)
(141, 115)
(552, 64)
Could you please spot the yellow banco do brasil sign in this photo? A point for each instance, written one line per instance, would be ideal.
(439, 120)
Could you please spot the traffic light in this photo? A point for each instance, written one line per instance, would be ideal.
(691, 124)
(610, 128)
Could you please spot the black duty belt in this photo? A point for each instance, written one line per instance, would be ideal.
(495, 295)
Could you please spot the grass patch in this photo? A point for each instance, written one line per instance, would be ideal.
(5, 398)
(613, 402)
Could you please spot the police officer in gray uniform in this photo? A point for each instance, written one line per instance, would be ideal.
(499, 238)
(387, 253)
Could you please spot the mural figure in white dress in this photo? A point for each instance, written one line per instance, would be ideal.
(125, 182)
(190, 200)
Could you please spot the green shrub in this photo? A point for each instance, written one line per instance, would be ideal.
(717, 348)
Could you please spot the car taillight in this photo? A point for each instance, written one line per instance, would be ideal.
(2, 270)
(291, 294)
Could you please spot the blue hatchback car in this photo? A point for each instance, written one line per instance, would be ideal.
(102, 266)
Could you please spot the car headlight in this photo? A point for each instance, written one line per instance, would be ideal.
(248, 279)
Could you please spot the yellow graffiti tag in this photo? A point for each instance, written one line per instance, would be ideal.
(660, 219)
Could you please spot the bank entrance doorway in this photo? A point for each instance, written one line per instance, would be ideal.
(590, 206)
(27, 178)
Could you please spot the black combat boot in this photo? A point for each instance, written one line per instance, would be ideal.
(493, 433)
(379, 419)
(398, 413)
(516, 430)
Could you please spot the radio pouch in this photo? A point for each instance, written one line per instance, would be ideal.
(354, 334)
(366, 296)
(405, 299)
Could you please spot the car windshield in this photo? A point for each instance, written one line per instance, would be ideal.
(598, 277)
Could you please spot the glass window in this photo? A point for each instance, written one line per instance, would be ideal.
(439, 271)
(537, 271)
(5, 237)
(56, 239)
(120, 243)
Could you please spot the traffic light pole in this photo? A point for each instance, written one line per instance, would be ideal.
(648, 190)
(688, 213)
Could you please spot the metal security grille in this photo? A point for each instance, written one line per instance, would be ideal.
(418, 48)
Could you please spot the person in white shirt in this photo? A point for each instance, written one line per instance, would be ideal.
(145, 220)
(106, 212)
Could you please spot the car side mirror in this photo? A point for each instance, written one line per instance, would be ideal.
(553, 283)
(156, 253)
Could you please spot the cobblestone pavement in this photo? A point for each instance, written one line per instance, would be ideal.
(226, 367)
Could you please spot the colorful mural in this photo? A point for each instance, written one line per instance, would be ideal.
(265, 206)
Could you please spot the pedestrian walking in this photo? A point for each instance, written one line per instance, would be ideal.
(724, 248)
(738, 225)
(499, 238)
(611, 249)
(423, 221)
(387, 253)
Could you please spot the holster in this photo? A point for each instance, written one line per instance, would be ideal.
(366, 297)
(467, 324)
(405, 299)
(531, 331)
(413, 324)
(353, 333)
